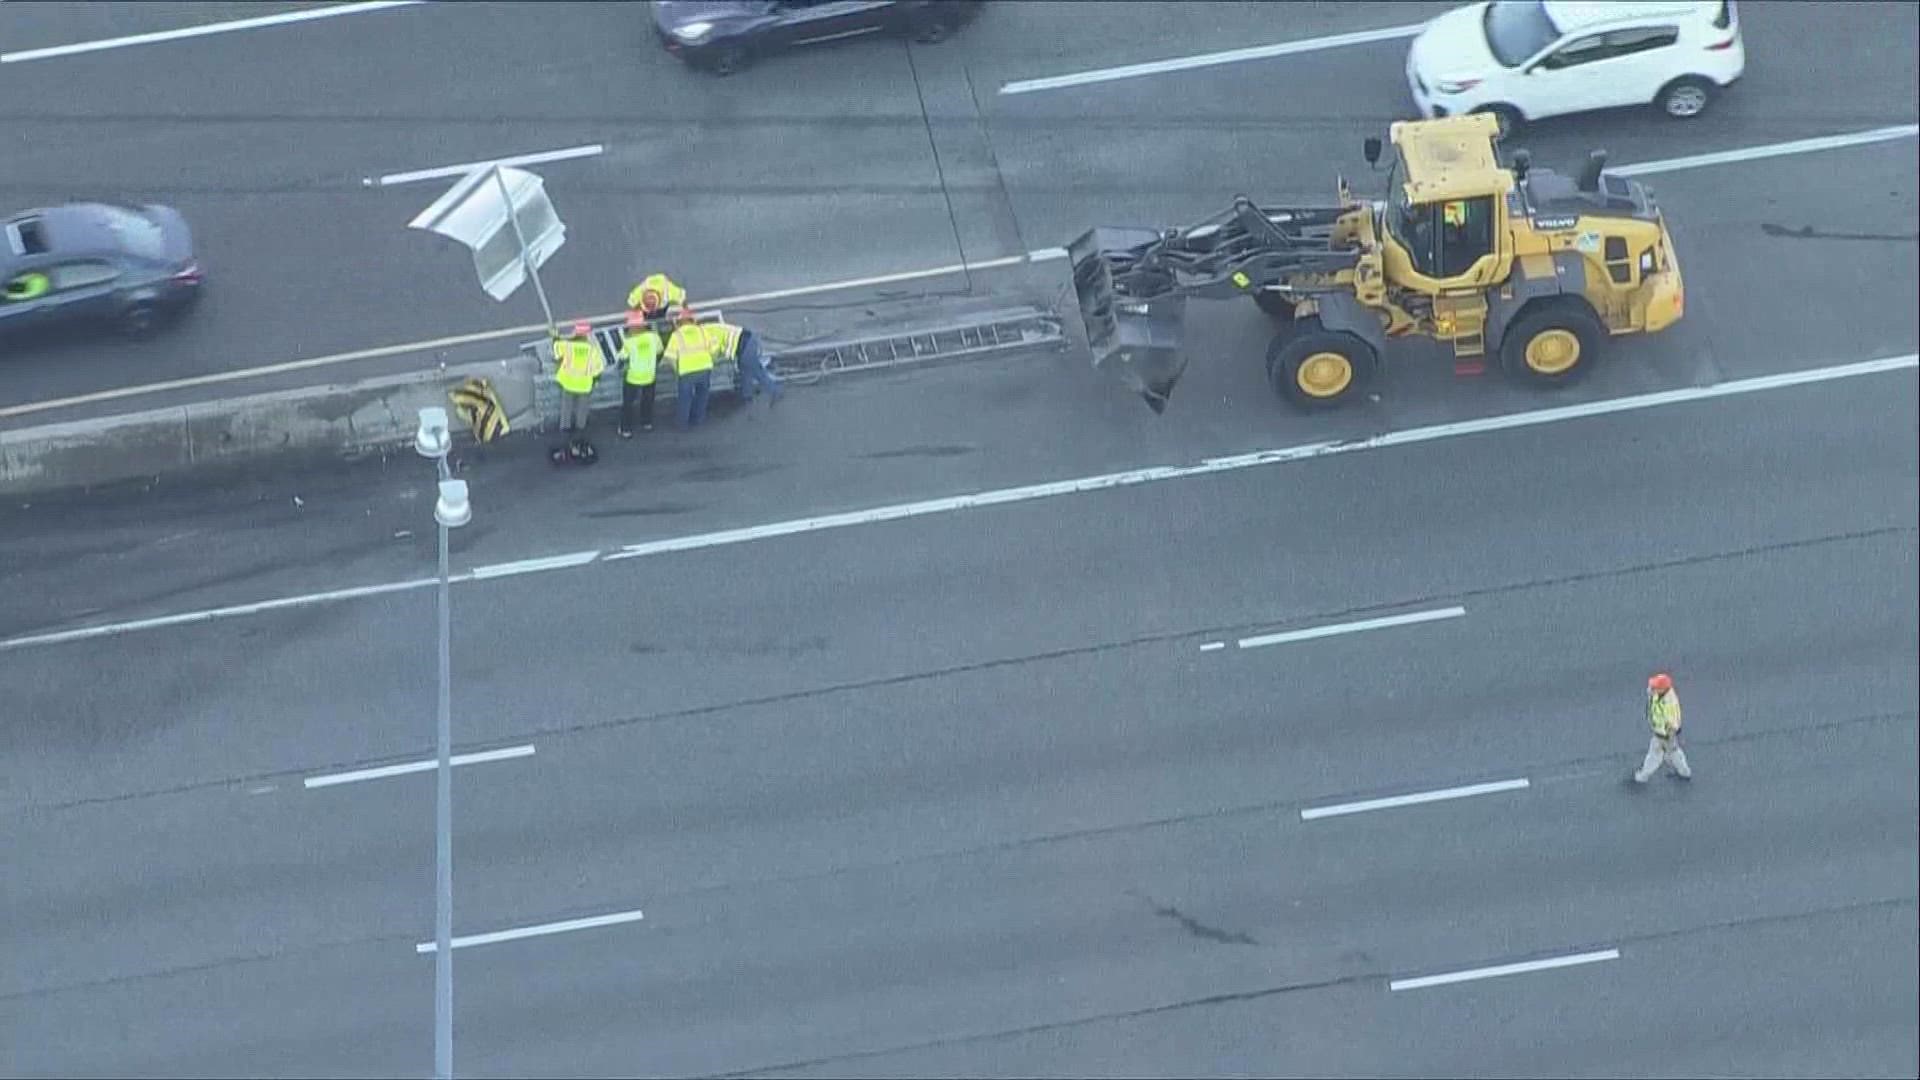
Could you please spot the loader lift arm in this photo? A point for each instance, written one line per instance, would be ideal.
(1240, 250)
(1133, 283)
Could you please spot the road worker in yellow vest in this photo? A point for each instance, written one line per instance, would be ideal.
(1663, 715)
(742, 347)
(690, 355)
(640, 353)
(655, 294)
(577, 363)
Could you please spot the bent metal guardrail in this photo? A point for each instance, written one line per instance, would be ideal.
(962, 338)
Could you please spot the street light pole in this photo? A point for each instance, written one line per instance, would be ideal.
(451, 511)
(443, 832)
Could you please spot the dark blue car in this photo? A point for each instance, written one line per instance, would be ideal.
(724, 36)
(126, 267)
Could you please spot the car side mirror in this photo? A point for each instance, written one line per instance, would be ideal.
(1371, 148)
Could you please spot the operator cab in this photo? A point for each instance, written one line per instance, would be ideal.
(1441, 194)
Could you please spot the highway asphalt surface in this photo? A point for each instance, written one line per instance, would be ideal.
(876, 158)
(967, 794)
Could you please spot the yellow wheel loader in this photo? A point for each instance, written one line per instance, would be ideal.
(1523, 264)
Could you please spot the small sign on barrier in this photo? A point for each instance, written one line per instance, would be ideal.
(477, 403)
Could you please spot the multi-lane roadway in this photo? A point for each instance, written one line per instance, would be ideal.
(875, 159)
(1116, 770)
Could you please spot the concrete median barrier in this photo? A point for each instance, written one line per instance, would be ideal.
(379, 415)
(374, 416)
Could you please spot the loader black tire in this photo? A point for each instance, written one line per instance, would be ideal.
(1274, 304)
(1551, 344)
(1317, 368)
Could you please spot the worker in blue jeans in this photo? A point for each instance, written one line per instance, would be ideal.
(743, 348)
(690, 354)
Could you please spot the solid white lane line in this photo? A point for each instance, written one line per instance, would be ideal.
(1802, 146)
(1756, 153)
(1504, 969)
(211, 614)
(1290, 636)
(533, 566)
(1415, 799)
(1230, 56)
(541, 930)
(254, 23)
(384, 771)
(1029, 493)
(540, 158)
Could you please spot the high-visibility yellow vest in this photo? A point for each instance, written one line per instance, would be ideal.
(671, 295)
(689, 352)
(1663, 714)
(577, 362)
(724, 338)
(643, 356)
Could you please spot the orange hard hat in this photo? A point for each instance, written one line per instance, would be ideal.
(1660, 683)
(582, 329)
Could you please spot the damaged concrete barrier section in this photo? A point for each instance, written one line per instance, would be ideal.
(322, 421)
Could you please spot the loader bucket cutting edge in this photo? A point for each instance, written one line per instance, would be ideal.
(1141, 341)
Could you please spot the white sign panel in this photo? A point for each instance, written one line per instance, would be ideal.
(475, 212)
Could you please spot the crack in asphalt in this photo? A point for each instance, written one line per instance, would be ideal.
(1192, 925)
(1808, 232)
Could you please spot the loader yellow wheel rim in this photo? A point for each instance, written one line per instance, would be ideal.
(1324, 374)
(1553, 352)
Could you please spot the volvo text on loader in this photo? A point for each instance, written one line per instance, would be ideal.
(1525, 264)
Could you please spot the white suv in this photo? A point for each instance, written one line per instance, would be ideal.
(1527, 59)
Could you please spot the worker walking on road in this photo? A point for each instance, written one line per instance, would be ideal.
(577, 364)
(691, 356)
(655, 294)
(641, 352)
(1663, 715)
(742, 347)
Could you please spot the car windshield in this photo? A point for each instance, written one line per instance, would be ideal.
(138, 233)
(1518, 29)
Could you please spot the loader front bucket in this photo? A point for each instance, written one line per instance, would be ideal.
(1138, 339)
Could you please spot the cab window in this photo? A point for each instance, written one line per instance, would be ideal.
(1466, 234)
(1444, 239)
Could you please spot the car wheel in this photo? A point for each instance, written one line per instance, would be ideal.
(1686, 97)
(1316, 368)
(730, 60)
(1552, 344)
(1506, 116)
(139, 319)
